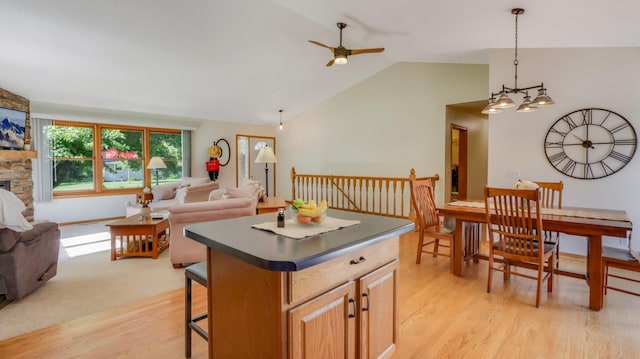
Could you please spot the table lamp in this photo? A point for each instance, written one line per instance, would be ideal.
(266, 156)
(155, 163)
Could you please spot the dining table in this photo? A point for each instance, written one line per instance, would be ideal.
(591, 223)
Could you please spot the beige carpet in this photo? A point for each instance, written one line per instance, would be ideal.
(88, 283)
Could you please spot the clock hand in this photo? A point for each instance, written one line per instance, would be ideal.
(585, 144)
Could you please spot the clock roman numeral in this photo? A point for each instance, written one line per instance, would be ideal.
(620, 157)
(606, 168)
(631, 141)
(570, 167)
(563, 134)
(588, 171)
(587, 117)
(569, 122)
(557, 158)
(619, 127)
(553, 144)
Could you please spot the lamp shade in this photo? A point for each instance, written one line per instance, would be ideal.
(155, 163)
(266, 155)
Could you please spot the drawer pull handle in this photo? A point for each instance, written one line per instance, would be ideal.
(360, 260)
(353, 302)
(365, 307)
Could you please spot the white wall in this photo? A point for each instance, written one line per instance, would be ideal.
(576, 78)
(383, 126)
(100, 207)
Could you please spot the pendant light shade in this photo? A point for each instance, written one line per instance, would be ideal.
(527, 105)
(504, 101)
(543, 99)
(490, 108)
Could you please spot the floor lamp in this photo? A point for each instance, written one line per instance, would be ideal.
(156, 163)
(266, 156)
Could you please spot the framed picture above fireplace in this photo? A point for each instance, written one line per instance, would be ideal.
(12, 127)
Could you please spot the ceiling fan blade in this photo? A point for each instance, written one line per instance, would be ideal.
(330, 62)
(366, 51)
(321, 44)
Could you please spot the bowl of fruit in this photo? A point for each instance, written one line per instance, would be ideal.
(309, 212)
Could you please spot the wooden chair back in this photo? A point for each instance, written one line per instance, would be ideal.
(514, 219)
(518, 229)
(423, 202)
(550, 194)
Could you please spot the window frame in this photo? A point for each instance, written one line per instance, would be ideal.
(98, 161)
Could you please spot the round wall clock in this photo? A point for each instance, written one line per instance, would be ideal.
(590, 143)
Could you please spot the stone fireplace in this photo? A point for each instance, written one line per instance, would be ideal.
(15, 165)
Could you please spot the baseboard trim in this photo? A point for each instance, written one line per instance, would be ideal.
(91, 221)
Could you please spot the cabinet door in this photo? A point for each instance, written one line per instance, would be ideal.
(379, 312)
(324, 327)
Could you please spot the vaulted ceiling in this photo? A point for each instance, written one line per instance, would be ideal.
(243, 60)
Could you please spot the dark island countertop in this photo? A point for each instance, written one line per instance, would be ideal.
(236, 237)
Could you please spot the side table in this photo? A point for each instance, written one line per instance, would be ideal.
(138, 237)
(271, 204)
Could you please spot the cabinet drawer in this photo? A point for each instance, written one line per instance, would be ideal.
(315, 280)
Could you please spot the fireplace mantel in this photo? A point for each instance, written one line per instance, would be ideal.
(17, 154)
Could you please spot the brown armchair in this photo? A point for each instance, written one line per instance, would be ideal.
(28, 259)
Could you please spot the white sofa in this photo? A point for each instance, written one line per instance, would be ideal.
(187, 190)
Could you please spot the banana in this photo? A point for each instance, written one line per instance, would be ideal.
(313, 212)
(309, 205)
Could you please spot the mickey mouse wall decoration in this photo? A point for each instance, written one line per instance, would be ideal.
(219, 154)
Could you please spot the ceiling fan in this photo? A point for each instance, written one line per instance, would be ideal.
(341, 53)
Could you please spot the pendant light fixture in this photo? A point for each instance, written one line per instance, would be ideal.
(281, 126)
(501, 100)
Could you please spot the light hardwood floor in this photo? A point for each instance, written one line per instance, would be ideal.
(440, 316)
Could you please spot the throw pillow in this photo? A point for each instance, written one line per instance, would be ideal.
(216, 194)
(11, 208)
(181, 193)
(164, 191)
(236, 193)
(192, 181)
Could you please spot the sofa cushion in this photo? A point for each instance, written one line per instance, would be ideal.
(164, 191)
(216, 194)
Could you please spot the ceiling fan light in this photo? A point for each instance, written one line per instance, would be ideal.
(504, 101)
(543, 99)
(340, 60)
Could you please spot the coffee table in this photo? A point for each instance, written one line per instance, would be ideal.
(138, 237)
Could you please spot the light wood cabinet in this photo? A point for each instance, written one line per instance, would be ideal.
(346, 307)
(325, 327)
(343, 324)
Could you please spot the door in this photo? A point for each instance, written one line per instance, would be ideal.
(325, 326)
(458, 175)
(247, 149)
(379, 312)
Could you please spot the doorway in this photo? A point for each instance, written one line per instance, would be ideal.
(458, 169)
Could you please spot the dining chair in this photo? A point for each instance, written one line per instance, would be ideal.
(622, 260)
(551, 197)
(430, 225)
(516, 234)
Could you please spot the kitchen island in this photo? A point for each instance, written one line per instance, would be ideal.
(328, 295)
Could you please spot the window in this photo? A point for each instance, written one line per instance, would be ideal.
(106, 159)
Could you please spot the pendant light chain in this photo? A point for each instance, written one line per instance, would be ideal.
(515, 59)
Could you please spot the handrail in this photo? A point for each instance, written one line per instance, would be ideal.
(385, 196)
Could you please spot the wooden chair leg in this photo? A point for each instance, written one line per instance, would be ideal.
(490, 274)
(539, 285)
(551, 270)
(436, 244)
(420, 244)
